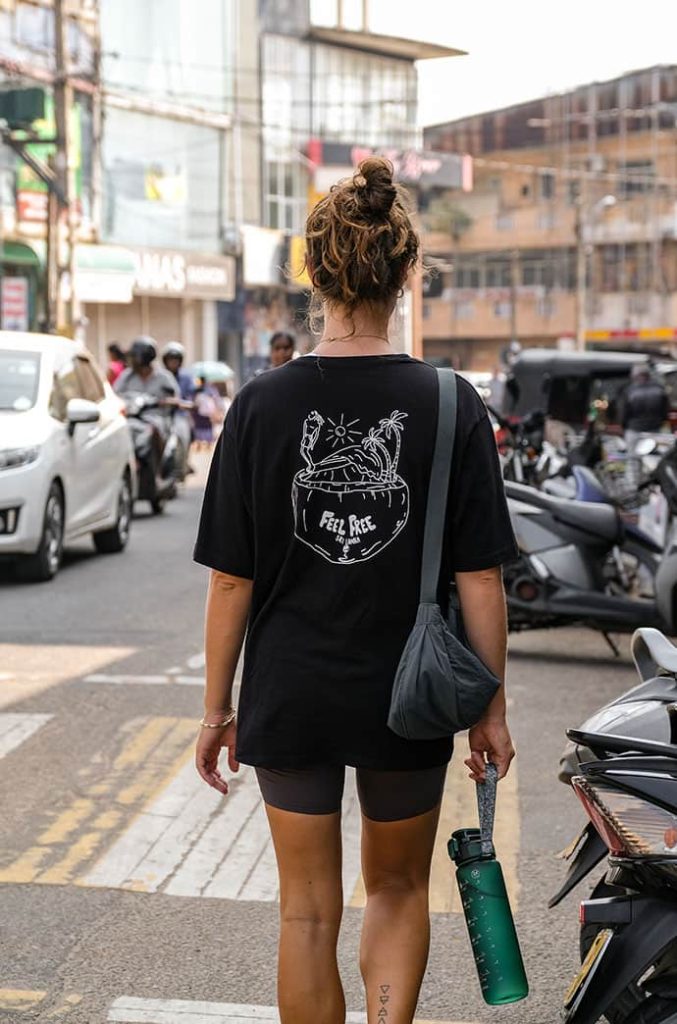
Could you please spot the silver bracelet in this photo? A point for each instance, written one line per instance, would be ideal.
(230, 717)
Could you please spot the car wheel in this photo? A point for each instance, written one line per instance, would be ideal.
(109, 542)
(44, 564)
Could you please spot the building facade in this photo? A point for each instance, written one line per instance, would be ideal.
(570, 233)
(332, 90)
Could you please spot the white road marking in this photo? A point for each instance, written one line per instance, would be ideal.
(191, 841)
(133, 680)
(128, 1010)
(196, 661)
(100, 677)
(15, 728)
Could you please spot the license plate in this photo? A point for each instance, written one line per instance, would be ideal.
(595, 954)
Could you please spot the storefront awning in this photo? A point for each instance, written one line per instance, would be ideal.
(19, 254)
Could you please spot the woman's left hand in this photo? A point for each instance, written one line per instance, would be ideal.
(207, 750)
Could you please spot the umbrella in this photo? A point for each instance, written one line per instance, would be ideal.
(212, 370)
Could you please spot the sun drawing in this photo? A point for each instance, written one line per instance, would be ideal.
(341, 432)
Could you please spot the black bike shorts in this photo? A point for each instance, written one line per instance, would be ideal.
(384, 795)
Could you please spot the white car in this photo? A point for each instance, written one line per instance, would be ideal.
(66, 458)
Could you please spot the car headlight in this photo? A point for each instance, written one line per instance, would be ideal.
(11, 458)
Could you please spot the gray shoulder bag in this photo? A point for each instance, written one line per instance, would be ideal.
(441, 686)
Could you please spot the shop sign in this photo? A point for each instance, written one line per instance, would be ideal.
(31, 191)
(184, 275)
(14, 303)
(422, 168)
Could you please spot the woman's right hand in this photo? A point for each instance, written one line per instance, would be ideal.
(490, 741)
(209, 745)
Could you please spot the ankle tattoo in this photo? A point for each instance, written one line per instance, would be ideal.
(384, 998)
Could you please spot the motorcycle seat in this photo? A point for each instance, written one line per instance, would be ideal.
(590, 516)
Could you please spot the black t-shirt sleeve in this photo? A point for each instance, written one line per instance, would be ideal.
(481, 533)
(225, 539)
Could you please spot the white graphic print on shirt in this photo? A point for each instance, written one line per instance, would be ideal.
(350, 503)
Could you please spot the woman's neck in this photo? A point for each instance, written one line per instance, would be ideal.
(363, 334)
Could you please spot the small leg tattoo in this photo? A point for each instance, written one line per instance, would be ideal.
(385, 999)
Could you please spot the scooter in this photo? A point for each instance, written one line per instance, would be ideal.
(628, 787)
(155, 448)
(576, 566)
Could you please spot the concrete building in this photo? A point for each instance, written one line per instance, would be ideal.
(332, 90)
(570, 233)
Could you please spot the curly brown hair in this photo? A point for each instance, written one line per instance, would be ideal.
(360, 242)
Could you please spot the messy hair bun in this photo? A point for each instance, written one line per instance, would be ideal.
(360, 242)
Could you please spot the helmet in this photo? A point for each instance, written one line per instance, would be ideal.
(143, 350)
(174, 350)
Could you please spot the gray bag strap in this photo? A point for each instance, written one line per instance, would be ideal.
(438, 489)
(486, 803)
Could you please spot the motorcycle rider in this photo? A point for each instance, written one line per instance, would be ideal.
(141, 377)
(645, 408)
(173, 355)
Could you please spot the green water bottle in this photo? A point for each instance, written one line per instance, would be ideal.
(485, 904)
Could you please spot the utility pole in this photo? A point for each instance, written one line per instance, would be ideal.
(514, 293)
(67, 314)
(580, 271)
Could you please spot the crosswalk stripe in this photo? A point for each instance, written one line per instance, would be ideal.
(148, 755)
(129, 1010)
(141, 680)
(20, 999)
(15, 728)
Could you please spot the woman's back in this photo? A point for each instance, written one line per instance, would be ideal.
(318, 494)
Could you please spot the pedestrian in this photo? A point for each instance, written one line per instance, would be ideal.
(117, 361)
(206, 413)
(645, 408)
(312, 525)
(173, 355)
(282, 345)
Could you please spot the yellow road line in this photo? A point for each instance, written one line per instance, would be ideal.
(20, 999)
(150, 751)
(459, 810)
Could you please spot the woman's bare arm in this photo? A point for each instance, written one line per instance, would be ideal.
(228, 604)
(482, 600)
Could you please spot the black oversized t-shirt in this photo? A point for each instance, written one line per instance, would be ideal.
(317, 492)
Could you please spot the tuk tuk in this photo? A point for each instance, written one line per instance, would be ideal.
(567, 386)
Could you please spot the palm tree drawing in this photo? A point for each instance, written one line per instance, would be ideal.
(373, 443)
(391, 427)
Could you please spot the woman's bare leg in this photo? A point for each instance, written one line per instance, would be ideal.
(308, 850)
(396, 857)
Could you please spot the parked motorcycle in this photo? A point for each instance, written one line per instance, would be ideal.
(156, 449)
(622, 765)
(577, 566)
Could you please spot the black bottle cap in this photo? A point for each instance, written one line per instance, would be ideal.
(466, 845)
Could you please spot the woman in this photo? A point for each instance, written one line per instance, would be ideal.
(206, 412)
(313, 526)
(282, 345)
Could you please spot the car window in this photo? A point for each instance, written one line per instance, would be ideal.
(90, 381)
(66, 385)
(19, 379)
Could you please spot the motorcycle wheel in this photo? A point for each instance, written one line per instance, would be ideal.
(631, 999)
(655, 1010)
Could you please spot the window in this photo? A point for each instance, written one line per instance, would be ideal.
(89, 380)
(547, 185)
(19, 379)
(66, 386)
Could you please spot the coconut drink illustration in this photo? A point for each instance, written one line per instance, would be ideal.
(350, 503)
